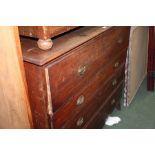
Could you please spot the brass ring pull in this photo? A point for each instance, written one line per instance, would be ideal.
(80, 121)
(114, 82)
(120, 40)
(116, 64)
(81, 70)
(80, 100)
(113, 102)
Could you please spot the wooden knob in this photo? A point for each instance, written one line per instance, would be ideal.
(45, 44)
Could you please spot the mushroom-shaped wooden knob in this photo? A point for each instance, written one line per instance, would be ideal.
(45, 44)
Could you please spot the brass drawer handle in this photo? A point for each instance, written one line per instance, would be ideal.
(81, 70)
(114, 82)
(116, 64)
(120, 40)
(80, 121)
(80, 100)
(113, 102)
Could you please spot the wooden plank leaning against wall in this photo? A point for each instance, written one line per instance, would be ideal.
(14, 104)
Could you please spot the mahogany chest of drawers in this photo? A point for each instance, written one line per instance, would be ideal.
(78, 82)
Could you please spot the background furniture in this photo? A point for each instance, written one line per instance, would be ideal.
(151, 60)
(78, 82)
(136, 64)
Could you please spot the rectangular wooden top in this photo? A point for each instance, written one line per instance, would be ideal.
(61, 45)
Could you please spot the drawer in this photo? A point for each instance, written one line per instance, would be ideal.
(74, 70)
(99, 118)
(69, 74)
(114, 40)
(112, 102)
(96, 122)
(83, 117)
(94, 93)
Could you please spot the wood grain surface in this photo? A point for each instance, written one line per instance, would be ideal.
(14, 104)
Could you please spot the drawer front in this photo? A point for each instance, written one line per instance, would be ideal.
(114, 40)
(101, 76)
(74, 70)
(107, 79)
(112, 102)
(70, 73)
(78, 120)
(83, 117)
(96, 122)
(99, 118)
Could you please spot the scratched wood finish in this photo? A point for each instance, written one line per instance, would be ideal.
(14, 104)
(95, 93)
(88, 90)
(78, 58)
(69, 80)
(101, 51)
(37, 89)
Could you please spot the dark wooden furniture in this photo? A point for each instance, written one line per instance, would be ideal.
(44, 33)
(78, 82)
(151, 60)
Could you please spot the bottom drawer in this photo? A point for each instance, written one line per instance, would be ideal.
(98, 119)
(81, 120)
(96, 122)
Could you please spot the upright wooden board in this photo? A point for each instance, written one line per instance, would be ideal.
(14, 105)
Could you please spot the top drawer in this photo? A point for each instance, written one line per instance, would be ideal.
(115, 39)
(77, 68)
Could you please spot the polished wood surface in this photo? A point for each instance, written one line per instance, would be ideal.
(14, 104)
(69, 86)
